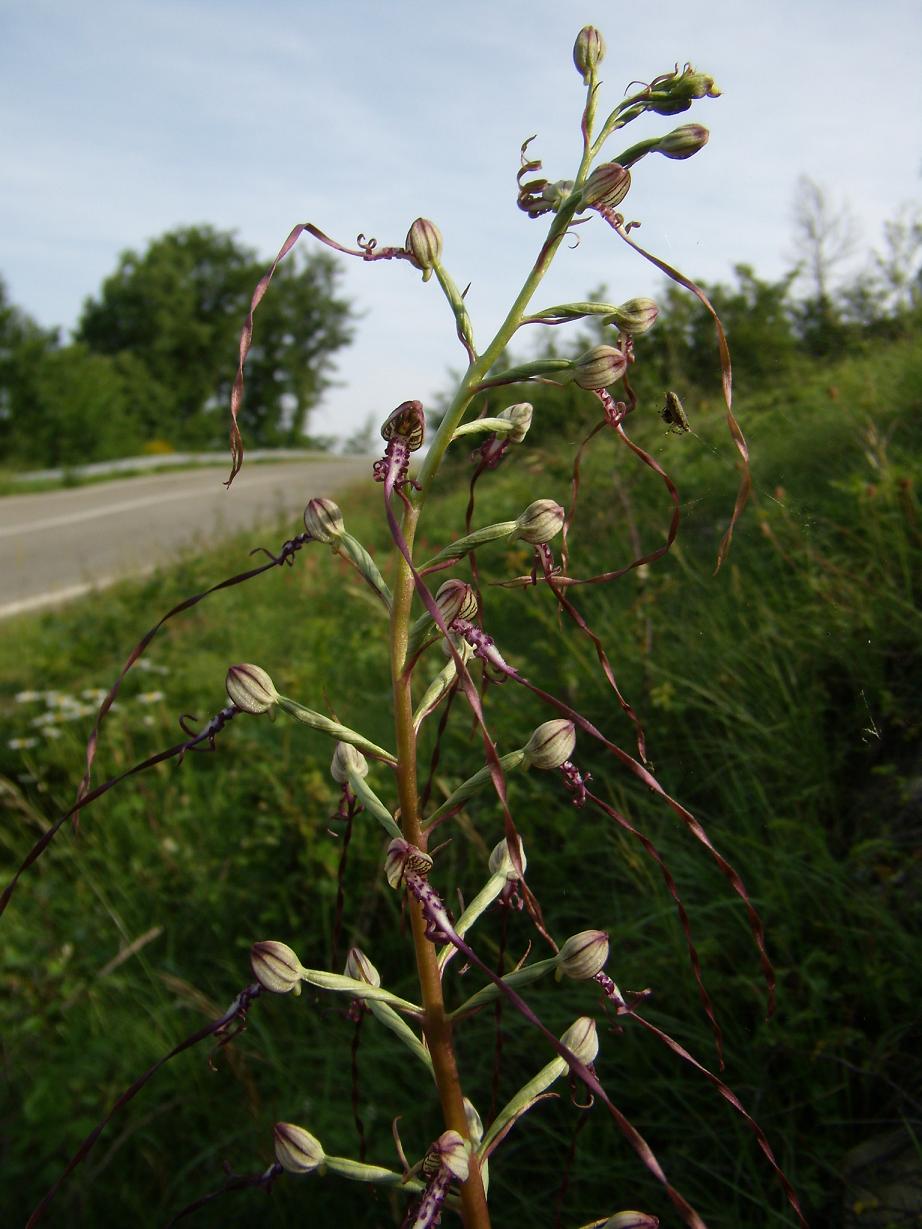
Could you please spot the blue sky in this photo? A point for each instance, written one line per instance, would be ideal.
(121, 119)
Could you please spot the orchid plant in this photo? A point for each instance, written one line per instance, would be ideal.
(434, 607)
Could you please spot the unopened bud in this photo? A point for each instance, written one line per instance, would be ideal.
(599, 367)
(408, 423)
(360, 968)
(582, 1039)
(404, 859)
(636, 316)
(588, 52)
(456, 600)
(296, 1150)
(347, 759)
(424, 243)
(631, 1220)
(250, 689)
(520, 416)
(323, 520)
(276, 967)
(683, 142)
(551, 744)
(474, 1122)
(453, 1153)
(541, 521)
(606, 187)
(501, 863)
(583, 955)
(692, 84)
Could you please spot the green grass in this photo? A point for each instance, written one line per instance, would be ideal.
(780, 704)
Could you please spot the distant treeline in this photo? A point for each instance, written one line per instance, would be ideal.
(816, 311)
(154, 354)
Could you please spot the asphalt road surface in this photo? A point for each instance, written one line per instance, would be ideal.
(61, 544)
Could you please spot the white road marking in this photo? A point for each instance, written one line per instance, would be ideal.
(126, 505)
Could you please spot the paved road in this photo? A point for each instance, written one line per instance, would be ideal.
(60, 544)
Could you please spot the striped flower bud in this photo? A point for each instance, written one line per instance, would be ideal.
(636, 316)
(456, 600)
(474, 1122)
(683, 142)
(360, 968)
(551, 744)
(323, 520)
(588, 52)
(424, 243)
(541, 521)
(404, 859)
(296, 1150)
(407, 423)
(501, 863)
(606, 187)
(250, 689)
(582, 1039)
(631, 1220)
(599, 367)
(347, 759)
(452, 1152)
(520, 416)
(276, 967)
(583, 955)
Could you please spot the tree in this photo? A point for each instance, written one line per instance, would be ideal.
(178, 308)
(825, 239)
(23, 346)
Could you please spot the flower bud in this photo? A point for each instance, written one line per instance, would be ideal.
(474, 1122)
(599, 367)
(607, 186)
(250, 689)
(588, 52)
(453, 1153)
(692, 84)
(631, 1220)
(346, 759)
(636, 316)
(276, 967)
(541, 521)
(501, 863)
(360, 968)
(582, 1039)
(551, 744)
(403, 859)
(456, 600)
(520, 416)
(296, 1150)
(408, 423)
(583, 955)
(323, 520)
(424, 243)
(683, 142)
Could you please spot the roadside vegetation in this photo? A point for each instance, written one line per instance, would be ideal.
(780, 699)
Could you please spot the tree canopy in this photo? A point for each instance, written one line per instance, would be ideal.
(178, 307)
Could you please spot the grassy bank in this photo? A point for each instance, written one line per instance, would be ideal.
(780, 704)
